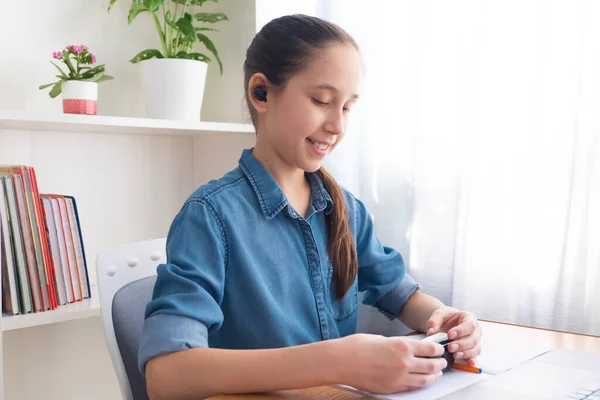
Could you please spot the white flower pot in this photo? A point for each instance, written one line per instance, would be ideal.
(173, 88)
(79, 97)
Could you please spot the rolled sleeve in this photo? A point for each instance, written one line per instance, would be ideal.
(392, 303)
(168, 333)
(187, 296)
(382, 272)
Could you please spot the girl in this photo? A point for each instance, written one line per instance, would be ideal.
(259, 291)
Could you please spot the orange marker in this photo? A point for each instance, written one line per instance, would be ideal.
(467, 368)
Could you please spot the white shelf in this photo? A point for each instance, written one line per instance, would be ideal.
(18, 120)
(81, 309)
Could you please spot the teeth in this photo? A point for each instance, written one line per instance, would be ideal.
(320, 146)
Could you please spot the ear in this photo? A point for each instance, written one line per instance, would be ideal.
(258, 79)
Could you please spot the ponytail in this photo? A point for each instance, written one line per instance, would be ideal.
(340, 243)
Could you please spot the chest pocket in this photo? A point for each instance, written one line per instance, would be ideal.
(346, 307)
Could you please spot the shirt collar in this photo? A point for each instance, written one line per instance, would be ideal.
(270, 196)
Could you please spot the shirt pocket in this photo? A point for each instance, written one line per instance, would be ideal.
(346, 307)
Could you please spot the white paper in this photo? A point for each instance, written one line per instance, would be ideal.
(493, 360)
(450, 382)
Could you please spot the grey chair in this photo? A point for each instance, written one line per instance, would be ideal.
(126, 277)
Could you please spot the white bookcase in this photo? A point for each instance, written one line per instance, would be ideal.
(128, 175)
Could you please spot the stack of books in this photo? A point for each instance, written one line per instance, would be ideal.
(42, 259)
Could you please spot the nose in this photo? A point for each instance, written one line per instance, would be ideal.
(335, 123)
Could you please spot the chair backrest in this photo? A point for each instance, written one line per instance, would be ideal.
(126, 277)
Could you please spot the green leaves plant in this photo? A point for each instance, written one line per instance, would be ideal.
(146, 55)
(62, 74)
(56, 89)
(211, 47)
(81, 66)
(46, 85)
(179, 28)
(210, 18)
(137, 7)
(198, 3)
(103, 78)
(153, 5)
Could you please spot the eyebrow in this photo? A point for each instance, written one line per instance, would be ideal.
(334, 89)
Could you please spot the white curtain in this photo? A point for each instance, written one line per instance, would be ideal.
(476, 147)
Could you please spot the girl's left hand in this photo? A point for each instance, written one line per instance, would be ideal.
(462, 328)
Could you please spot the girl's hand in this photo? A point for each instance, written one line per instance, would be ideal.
(378, 364)
(462, 328)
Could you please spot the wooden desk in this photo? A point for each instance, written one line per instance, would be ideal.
(494, 332)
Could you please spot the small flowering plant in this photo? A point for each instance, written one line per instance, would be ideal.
(80, 63)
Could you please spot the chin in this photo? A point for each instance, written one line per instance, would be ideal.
(311, 166)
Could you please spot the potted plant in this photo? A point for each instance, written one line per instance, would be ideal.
(173, 78)
(79, 83)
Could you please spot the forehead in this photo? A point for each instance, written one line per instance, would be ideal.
(337, 65)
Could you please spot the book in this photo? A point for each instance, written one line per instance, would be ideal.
(62, 249)
(42, 261)
(78, 245)
(10, 292)
(71, 256)
(18, 245)
(24, 228)
(68, 244)
(54, 250)
(35, 222)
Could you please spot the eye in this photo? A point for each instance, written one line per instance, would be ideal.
(346, 109)
(319, 103)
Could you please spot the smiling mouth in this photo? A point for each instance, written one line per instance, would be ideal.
(319, 145)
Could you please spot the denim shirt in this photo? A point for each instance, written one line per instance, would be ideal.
(245, 271)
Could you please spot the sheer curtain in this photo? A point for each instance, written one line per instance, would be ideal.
(476, 148)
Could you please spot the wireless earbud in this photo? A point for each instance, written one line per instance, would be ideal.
(260, 93)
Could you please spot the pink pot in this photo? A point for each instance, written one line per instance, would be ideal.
(80, 97)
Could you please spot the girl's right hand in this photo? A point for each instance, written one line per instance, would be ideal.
(379, 364)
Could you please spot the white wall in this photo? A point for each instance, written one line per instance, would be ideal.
(128, 188)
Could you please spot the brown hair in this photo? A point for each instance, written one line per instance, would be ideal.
(283, 47)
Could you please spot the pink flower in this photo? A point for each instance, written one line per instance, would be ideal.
(84, 47)
(93, 59)
(71, 47)
(78, 50)
(57, 54)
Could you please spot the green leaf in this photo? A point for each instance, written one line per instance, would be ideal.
(104, 78)
(69, 63)
(171, 22)
(146, 55)
(188, 16)
(187, 30)
(194, 2)
(112, 2)
(211, 47)
(202, 28)
(93, 77)
(47, 85)
(56, 89)
(184, 55)
(136, 9)
(60, 70)
(92, 72)
(210, 17)
(200, 57)
(153, 5)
